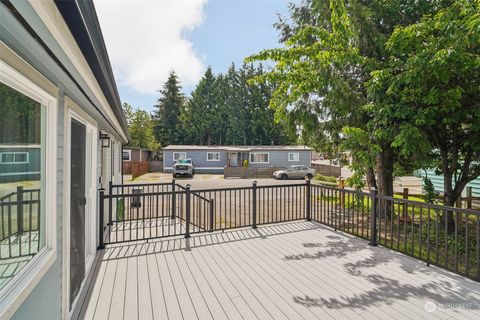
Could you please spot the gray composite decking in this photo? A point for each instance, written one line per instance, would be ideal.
(297, 270)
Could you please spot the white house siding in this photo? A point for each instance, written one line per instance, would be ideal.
(26, 55)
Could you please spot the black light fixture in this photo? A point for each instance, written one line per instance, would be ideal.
(105, 140)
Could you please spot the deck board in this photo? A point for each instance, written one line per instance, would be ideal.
(296, 270)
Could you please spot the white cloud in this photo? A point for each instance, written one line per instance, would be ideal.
(145, 40)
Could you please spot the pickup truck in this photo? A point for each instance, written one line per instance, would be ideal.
(183, 167)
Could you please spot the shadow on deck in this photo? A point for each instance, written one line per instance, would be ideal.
(297, 270)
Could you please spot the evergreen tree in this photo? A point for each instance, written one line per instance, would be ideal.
(167, 128)
(226, 110)
(199, 117)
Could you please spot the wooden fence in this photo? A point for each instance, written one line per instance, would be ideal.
(327, 170)
(136, 169)
(467, 201)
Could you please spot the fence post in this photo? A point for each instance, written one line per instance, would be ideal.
(174, 200)
(19, 210)
(254, 204)
(404, 205)
(211, 215)
(341, 185)
(187, 211)
(101, 206)
(458, 203)
(373, 235)
(309, 199)
(469, 197)
(110, 202)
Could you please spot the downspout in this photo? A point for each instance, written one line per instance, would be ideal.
(123, 145)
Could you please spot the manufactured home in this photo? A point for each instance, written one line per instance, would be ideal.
(133, 154)
(214, 159)
(61, 134)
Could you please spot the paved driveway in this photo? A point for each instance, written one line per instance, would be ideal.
(207, 181)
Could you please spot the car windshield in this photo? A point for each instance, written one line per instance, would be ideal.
(183, 161)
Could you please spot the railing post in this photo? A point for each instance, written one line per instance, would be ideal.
(308, 187)
(19, 210)
(187, 211)
(373, 235)
(211, 215)
(110, 203)
(101, 207)
(404, 205)
(254, 204)
(174, 200)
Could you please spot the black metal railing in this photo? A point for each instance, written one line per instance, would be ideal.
(443, 236)
(20, 223)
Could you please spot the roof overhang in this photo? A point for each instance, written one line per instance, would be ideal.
(81, 19)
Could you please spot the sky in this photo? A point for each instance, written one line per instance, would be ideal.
(146, 39)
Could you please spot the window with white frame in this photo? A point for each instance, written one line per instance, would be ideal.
(127, 155)
(213, 156)
(14, 157)
(179, 155)
(259, 157)
(293, 156)
(28, 122)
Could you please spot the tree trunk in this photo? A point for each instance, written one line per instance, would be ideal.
(448, 199)
(371, 180)
(385, 181)
(385, 171)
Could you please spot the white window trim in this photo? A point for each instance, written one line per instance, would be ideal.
(14, 162)
(21, 285)
(294, 153)
(216, 153)
(255, 153)
(174, 153)
(129, 155)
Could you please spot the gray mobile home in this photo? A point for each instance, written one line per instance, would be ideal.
(214, 159)
(61, 134)
(134, 154)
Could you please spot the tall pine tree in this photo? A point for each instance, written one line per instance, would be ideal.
(167, 128)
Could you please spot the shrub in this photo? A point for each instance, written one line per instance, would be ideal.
(320, 177)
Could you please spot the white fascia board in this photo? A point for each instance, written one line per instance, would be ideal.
(53, 20)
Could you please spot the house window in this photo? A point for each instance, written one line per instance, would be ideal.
(14, 157)
(293, 156)
(259, 157)
(213, 156)
(179, 155)
(28, 137)
(127, 155)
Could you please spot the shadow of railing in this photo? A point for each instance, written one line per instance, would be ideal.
(205, 239)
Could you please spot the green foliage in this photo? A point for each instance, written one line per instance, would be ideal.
(429, 190)
(166, 117)
(320, 77)
(140, 128)
(428, 90)
(320, 177)
(225, 110)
